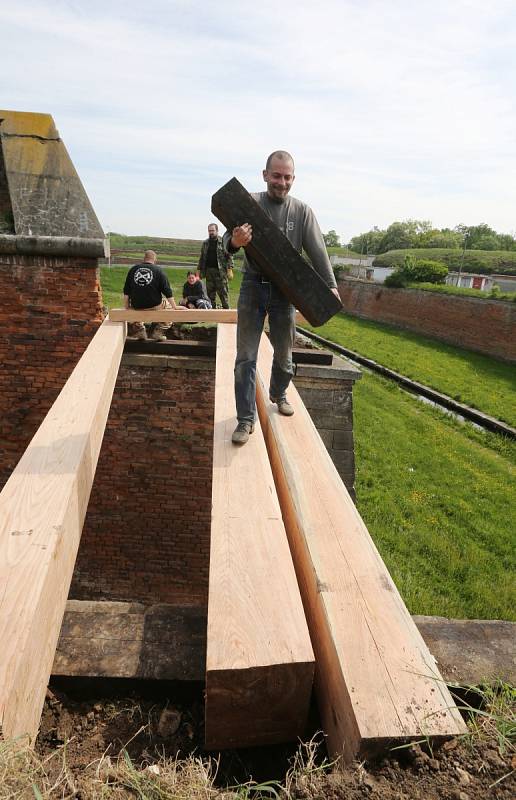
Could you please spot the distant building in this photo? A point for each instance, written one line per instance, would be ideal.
(362, 268)
(468, 280)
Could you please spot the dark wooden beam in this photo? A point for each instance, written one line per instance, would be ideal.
(279, 260)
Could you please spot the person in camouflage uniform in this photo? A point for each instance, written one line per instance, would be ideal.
(214, 263)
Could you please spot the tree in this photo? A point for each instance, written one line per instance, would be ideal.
(331, 239)
(398, 236)
(440, 238)
(367, 243)
(480, 237)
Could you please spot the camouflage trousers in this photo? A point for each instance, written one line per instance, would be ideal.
(217, 284)
(138, 330)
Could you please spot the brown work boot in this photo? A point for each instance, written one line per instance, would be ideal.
(242, 432)
(139, 334)
(157, 335)
(284, 407)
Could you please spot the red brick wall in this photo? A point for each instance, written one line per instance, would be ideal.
(147, 530)
(488, 326)
(49, 310)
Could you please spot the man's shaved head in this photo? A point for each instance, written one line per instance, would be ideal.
(150, 256)
(282, 155)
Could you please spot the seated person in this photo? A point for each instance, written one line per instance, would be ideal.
(194, 294)
(147, 287)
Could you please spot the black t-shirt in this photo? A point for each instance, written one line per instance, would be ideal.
(194, 290)
(145, 284)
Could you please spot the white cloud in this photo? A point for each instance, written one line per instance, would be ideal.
(392, 111)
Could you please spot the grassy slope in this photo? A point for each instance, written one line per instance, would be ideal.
(438, 502)
(472, 378)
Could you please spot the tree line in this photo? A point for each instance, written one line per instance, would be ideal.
(416, 233)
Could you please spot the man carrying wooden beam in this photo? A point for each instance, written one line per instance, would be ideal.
(260, 296)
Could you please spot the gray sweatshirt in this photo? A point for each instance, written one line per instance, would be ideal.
(297, 221)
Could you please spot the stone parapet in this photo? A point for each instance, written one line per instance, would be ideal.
(480, 324)
(327, 392)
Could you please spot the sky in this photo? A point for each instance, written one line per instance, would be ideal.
(391, 110)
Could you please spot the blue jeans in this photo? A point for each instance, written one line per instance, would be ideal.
(257, 298)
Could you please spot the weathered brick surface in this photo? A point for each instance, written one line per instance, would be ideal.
(487, 326)
(49, 310)
(147, 530)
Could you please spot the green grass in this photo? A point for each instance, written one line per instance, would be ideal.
(485, 262)
(344, 252)
(439, 500)
(471, 378)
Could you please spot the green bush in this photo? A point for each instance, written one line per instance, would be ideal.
(395, 280)
(417, 270)
(423, 270)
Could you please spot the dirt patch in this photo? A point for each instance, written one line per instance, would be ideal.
(151, 728)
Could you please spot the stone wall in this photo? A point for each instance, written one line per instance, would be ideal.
(327, 392)
(487, 326)
(49, 310)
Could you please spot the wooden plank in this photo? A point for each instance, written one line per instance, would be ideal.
(42, 509)
(375, 678)
(259, 664)
(226, 315)
(277, 257)
(164, 315)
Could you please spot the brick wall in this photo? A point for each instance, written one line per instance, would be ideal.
(487, 326)
(49, 310)
(146, 534)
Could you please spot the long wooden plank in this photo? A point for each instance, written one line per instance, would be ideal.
(225, 315)
(165, 315)
(260, 664)
(277, 257)
(42, 509)
(375, 678)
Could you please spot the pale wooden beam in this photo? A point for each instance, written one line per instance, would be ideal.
(225, 315)
(42, 510)
(376, 680)
(169, 315)
(259, 668)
